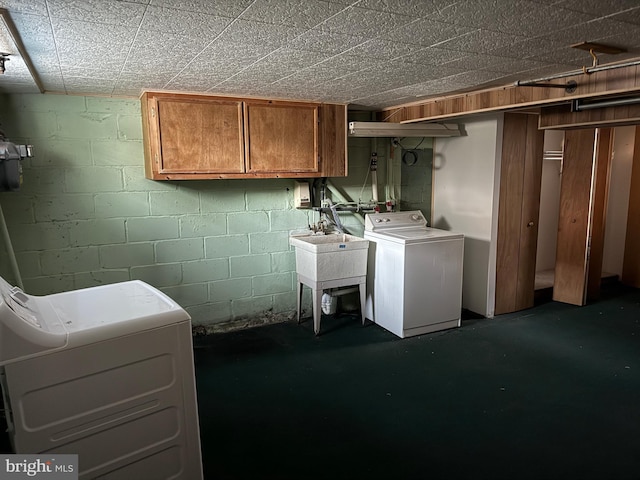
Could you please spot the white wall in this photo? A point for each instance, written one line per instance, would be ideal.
(618, 206)
(465, 199)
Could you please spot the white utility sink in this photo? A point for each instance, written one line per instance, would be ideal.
(330, 257)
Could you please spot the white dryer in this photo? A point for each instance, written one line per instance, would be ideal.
(105, 373)
(414, 274)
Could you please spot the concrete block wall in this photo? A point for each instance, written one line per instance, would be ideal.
(87, 216)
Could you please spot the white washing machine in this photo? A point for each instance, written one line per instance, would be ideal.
(414, 274)
(105, 373)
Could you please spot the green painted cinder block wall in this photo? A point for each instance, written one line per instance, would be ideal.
(87, 216)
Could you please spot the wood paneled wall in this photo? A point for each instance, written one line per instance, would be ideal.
(598, 84)
(561, 116)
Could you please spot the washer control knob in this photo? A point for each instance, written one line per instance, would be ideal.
(378, 220)
(415, 217)
(386, 220)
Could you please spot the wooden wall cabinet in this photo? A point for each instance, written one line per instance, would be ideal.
(198, 137)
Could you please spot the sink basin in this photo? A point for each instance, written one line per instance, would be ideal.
(330, 257)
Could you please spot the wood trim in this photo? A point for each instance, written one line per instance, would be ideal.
(631, 264)
(603, 153)
(151, 137)
(609, 82)
(561, 117)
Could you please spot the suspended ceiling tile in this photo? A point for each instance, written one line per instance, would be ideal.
(598, 7)
(517, 17)
(287, 59)
(257, 33)
(224, 8)
(384, 49)
(425, 32)
(323, 40)
(478, 61)
(469, 79)
(179, 22)
(416, 89)
(480, 41)
(52, 81)
(356, 85)
(417, 72)
(434, 56)
(346, 63)
(362, 21)
(98, 11)
(103, 73)
(299, 13)
(157, 51)
(36, 7)
(127, 91)
(382, 100)
(131, 85)
(85, 84)
(96, 34)
(156, 80)
(189, 84)
(629, 16)
(313, 48)
(29, 25)
(424, 8)
(594, 31)
(216, 58)
(86, 57)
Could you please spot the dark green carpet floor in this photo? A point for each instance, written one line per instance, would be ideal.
(548, 393)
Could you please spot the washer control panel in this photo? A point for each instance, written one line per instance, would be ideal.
(380, 221)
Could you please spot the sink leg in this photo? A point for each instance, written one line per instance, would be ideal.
(363, 299)
(299, 300)
(317, 310)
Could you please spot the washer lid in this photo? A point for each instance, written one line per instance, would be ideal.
(413, 235)
(107, 311)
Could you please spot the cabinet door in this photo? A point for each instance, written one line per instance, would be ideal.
(199, 136)
(281, 137)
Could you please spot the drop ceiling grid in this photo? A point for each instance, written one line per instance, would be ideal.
(369, 52)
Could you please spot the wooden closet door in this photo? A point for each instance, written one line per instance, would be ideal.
(583, 193)
(520, 180)
(631, 266)
(600, 196)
